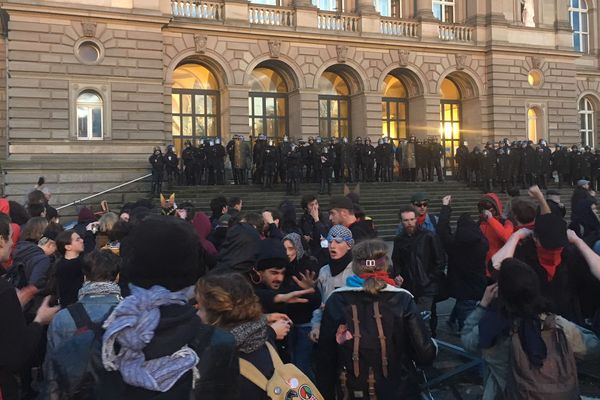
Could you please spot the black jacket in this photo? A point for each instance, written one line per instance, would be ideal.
(466, 250)
(419, 259)
(410, 341)
(36, 263)
(238, 252)
(179, 326)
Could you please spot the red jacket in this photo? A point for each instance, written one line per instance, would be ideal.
(496, 233)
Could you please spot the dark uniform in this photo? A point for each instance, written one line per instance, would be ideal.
(587, 160)
(326, 160)
(379, 161)
(188, 163)
(220, 154)
(347, 161)
(503, 167)
(283, 149)
(230, 149)
(316, 150)
(258, 156)
(560, 164)
(157, 164)
(488, 169)
(528, 165)
(544, 168)
(388, 160)
(516, 159)
(436, 152)
(293, 171)
(200, 162)
(474, 166)
(422, 158)
(462, 161)
(357, 156)
(307, 158)
(270, 158)
(368, 160)
(172, 164)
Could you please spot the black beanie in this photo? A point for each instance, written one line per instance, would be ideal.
(161, 251)
(271, 254)
(551, 231)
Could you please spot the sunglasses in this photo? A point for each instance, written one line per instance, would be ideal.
(423, 204)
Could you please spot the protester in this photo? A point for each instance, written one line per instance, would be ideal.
(418, 258)
(314, 226)
(342, 212)
(68, 270)
(153, 338)
(371, 333)
(581, 192)
(33, 253)
(105, 224)
(496, 229)
(420, 202)
(490, 329)
(466, 249)
(19, 341)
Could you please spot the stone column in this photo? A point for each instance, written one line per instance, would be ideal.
(423, 10)
(305, 15)
(424, 116)
(564, 38)
(234, 111)
(369, 17)
(370, 102)
(236, 12)
(306, 123)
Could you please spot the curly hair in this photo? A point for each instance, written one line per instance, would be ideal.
(227, 300)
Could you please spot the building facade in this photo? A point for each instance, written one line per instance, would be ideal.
(88, 87)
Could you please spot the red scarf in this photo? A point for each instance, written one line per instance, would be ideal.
(421, 219)
(381, 275)
(549, 259)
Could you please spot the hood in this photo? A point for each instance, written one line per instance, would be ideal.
(238, 252)
(297, 241)
(201, 224)
(4, 206)
(493, 198)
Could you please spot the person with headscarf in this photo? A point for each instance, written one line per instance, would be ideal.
(466, 249)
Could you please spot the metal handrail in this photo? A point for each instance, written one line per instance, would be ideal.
(103, 192)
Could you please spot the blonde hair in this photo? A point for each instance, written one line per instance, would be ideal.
(107, 221)
(373, 249)
(228, 300)
(34, 229)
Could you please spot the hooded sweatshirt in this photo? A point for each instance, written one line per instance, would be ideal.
(203, 228)
(496, 232)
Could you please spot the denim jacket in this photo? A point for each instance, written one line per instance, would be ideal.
(63, 328)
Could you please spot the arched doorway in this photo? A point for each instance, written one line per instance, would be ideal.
(394, 109)
(195, 104)
(450, 119)
(268, 103)
(334, 105)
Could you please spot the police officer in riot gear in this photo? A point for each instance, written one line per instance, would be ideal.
(171, 164)
(258, 156)
(283, 149)
(200, 158)
(157, 164)
(270, 158)
(326, 160)
(357, 156)
(379, 160)
(293, 171)
(220, 154)
(188, 163)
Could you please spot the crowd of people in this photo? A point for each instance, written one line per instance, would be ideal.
(173, 304)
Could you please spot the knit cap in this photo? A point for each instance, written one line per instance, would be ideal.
(271, 254)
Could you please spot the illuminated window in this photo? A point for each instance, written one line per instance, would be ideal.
(194, 104)
(586, 119)
(535, 78)
(267, 103)
(450, 112)
(334, 106)
(90, 113)
(532, 124)
(394, 109)
(389, 8)
(578, 12)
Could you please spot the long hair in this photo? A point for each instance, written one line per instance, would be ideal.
(362, 255)
(519, 293)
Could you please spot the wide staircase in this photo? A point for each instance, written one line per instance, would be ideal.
(381, 201)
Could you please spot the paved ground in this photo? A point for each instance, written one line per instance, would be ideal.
(468, 385)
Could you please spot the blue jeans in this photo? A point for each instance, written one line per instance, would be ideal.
(462, 309)
(301, 349)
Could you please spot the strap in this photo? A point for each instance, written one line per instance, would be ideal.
(343, 385)
(79, 315)
(371, 382)
(382, 343)
(355, 354)
(250, 372)
(277, 363)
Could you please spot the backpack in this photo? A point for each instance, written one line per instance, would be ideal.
(287, 382)
(555, 380)
(75, 360)
(365, 350)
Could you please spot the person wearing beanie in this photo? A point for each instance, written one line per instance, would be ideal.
(156, 327)
(334, 274)
(381, 309)
(341, 212)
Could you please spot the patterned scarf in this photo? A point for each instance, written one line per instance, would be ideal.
(250, 336)
(99, 289)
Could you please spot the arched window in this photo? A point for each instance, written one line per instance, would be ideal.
(194, 104)
(394, 109)
(443, 10)
(450, 113)
(267, 103)
(586, 120)
(90, 114)
(580, 23)
(334, 105)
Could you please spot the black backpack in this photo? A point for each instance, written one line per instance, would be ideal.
(364, 359)
(75, 361)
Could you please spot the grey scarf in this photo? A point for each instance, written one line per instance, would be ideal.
(99, 289)
(250, 336)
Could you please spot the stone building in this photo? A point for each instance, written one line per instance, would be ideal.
(88, 87)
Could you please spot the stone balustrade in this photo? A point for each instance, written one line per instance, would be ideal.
(398, 27)
(198, 9)
(332, 21)
(455, 33)
(270, 15)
